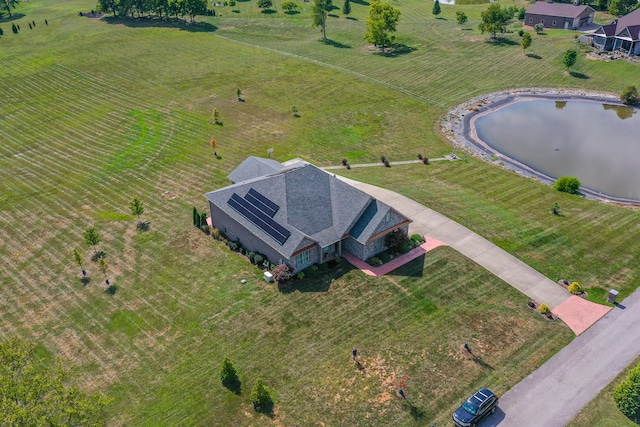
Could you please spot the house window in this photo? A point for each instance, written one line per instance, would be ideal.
(530, 20)
(542, 21)
(554, 23)
(387, 217)
(302, 258)
(379, 244)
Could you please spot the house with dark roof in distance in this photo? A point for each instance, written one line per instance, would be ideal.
(622, 34)
(297, 214)
(565, 16)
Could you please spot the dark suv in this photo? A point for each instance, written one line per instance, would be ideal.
(475, 408)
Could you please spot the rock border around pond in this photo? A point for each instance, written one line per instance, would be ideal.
(458, 128)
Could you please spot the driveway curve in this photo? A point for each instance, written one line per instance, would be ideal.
(496, 260)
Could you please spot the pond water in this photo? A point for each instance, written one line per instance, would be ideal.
(598, 143)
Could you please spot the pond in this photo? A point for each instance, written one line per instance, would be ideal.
(597, 142)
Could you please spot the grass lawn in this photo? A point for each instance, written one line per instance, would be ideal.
(96, 112)
(602, 411)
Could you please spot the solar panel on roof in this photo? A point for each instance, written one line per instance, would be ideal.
(274, 207)
(259, 218)
(260, 205)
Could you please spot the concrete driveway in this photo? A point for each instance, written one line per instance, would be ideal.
(499, 262)
(553, 394)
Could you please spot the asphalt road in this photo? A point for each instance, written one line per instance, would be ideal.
(553, 394)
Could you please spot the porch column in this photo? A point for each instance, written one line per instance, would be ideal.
(339, 247)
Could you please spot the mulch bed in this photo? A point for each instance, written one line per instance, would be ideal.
(565, 284)
(535, 306)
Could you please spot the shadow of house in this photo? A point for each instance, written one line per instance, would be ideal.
(297, 214)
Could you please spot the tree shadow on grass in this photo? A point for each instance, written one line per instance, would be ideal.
(578, 75)
(143, 225)
(361, 2)
(98, 255)
(146, 22)
(351, 18)
(332, 15)
(501, 41)
(337, 44)
(85, 280)
(396, 50)
(534, 56)
(14, 17)
(234, 387)
(265, 409)
(441, 18)
(478, 361)
(292, 12)
(268, 11)
(415, 412)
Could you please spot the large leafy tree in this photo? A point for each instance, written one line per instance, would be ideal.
(36, 392)
(493, 20)
(382, 20)
(8, 4)
(319, 16)
(570, 58)
(622, 7)
(194, 7)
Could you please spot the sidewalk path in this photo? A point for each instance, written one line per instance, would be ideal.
(429, 223)
(555, 393)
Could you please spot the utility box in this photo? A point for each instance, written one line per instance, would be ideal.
(613, 294)
(268, 276)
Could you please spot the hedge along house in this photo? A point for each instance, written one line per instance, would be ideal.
(622, 34)
(565, 16)
(297, 214)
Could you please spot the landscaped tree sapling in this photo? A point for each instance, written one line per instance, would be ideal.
(436, 8)
(570, 58)
(239, 93)
(461, 17)
(137, 209)
(79, 260)
(555, 209)
(346, 7)
(92, 238)
(103, 266)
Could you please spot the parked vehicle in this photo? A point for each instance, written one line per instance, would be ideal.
(482, 403)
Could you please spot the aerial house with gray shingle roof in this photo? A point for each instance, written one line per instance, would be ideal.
(565, 16)
(622, 34)
(300, 215)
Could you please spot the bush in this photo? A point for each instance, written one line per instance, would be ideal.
(233, 246)
(250, 256)
(568, 184)
(544, 309)
(112, 289)
(261, 398)
(257, 259)
(300, 275)
(539, 28)
(206, 229)
(281, 273)
(396, 241)
(314, 267)
(627, 395)
(575, 288)
(228, 374)
(417, 238)
(215, 233)
(384, 257)
(630, 95)
(374, 261)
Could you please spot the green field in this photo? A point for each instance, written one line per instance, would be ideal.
(94, 112)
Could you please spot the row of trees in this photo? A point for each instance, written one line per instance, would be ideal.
(617, 7)
(159, 8)
(92, 238)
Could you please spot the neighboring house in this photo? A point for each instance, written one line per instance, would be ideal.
(622, 34)
(297, 214)
(565, 16)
